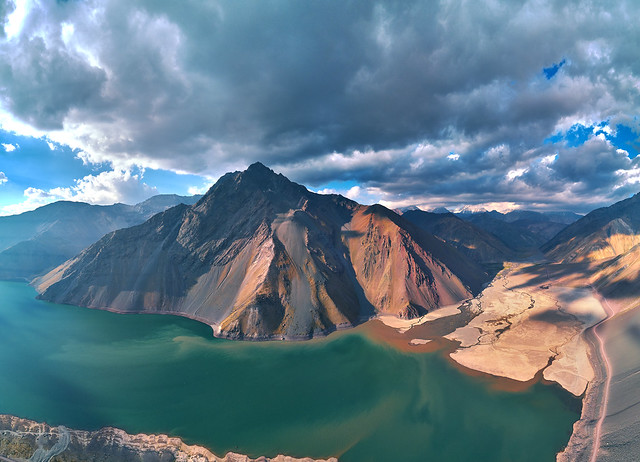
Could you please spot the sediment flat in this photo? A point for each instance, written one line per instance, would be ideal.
(525, 326)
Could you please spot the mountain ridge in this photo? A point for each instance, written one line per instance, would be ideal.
(604, 233)
(34, 242)
(259, 257)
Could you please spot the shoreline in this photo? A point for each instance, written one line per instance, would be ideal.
(216, 329)
(25, 437)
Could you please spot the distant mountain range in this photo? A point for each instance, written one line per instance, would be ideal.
(35, 242)
(522, 231)
(478, 244)
(262, 257)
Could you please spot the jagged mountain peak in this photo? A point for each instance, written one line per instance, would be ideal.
(256, 183)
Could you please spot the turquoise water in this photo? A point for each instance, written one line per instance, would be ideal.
(345, 396)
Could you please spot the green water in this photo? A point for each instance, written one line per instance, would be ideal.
(345, 396)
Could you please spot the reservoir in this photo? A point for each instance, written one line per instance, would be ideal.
(345, 395)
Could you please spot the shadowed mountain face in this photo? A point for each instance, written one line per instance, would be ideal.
(521, 231)
(604, 233)
(35, 242)
(476, 243)
(261, 257)
(620, 276)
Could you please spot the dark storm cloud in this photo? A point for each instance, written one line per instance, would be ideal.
(377, 92)
(43, 83)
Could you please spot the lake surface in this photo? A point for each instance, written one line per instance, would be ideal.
(345, 395)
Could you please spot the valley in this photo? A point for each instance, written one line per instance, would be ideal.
(388, 320)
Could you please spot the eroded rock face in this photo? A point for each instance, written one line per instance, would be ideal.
(21, 438)
(261, 257)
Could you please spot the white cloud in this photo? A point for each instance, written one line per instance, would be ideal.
(3, 178)
(629, 177)
(502, 207)
(353, 193)
(34, 198)
(15, 20)
(9, 147)
(327, 191)
(453, 156)
(193, 190)
(105, 188)
(516, 173)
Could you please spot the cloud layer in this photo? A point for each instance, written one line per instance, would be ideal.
(419, 102)
(105, 188)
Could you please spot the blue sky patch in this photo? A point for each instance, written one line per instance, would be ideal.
(553, 139)
(338, 185)
(550, 72)
(168, 182)
(578, 134)
(622, 137)
(32, 163)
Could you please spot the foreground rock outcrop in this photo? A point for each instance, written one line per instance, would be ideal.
(22, 439)
(262, 257)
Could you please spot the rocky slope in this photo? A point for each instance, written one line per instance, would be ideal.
(474, 242)
(619, 277)
(604, 233)
(261, 257)
(22, 439)
(35, 242)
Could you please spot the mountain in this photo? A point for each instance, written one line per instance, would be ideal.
(262, 257)
(601, 234)
(565, 218)
(517, 238)
(620, 276)
(474, 242)
(521, 230)
(35, 242)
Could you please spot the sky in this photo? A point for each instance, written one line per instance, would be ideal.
(490, 104)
